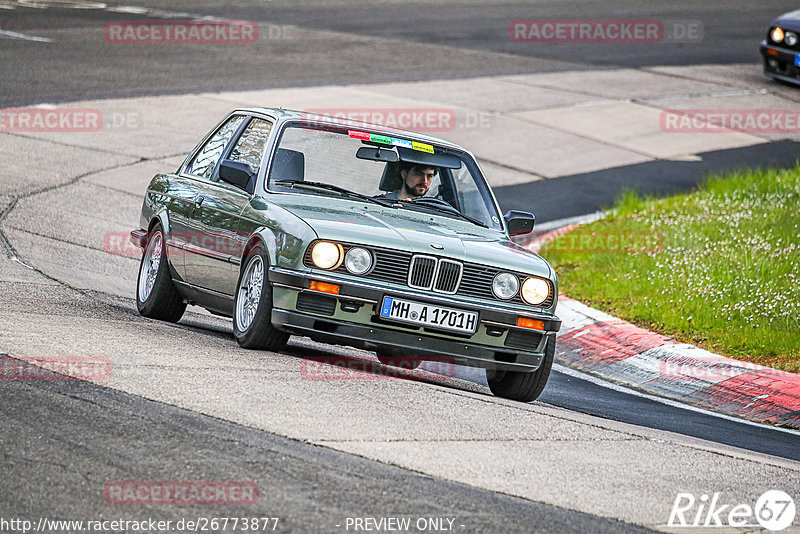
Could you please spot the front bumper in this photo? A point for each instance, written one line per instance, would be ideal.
(780, 63)
(351, 318)
(139, 238)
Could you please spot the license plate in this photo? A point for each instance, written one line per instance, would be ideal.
(797, 60)
(417, 313)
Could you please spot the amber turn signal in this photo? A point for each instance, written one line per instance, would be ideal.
(527, 322)
(324, 287)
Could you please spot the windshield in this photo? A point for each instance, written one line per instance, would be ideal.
(424, 177)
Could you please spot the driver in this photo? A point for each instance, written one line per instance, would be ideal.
(416, 180)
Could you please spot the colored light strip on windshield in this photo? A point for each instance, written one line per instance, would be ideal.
(364, 136)
(402, 142)
(384, 140)
(423, 147)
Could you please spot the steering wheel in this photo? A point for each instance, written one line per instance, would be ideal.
(433, 201)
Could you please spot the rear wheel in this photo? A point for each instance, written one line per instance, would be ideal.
(252, 311)
(156, 296)
(525, 387)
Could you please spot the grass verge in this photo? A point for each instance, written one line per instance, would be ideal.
(719, 267)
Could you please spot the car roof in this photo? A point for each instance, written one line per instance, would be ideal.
(283, 115)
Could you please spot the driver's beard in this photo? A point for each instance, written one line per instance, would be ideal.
(419, 190)
(414, 191)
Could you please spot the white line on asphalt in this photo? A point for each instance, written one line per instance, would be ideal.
(24, 37)
(158, 13)
(669, 402)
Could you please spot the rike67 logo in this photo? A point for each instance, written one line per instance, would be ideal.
(774, 511)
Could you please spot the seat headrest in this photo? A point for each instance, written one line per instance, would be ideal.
(288, 165)
(391, 180)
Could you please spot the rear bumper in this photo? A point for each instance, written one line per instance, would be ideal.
(351, 318)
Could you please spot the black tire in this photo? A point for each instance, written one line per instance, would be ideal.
(162, 301)
(521, 386)
(256, 330)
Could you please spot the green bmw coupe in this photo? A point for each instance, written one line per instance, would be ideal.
(353, 234)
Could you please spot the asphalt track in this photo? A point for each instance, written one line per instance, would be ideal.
(429, 40)
(583, 395)
(112, 434)
(52, 471)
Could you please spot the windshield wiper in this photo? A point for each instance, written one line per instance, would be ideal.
(331, 187)
(444, 207)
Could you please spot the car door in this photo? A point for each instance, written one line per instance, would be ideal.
(214, 266)
(189, 185)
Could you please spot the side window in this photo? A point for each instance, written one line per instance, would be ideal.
(469, 197)
(206, 160)
(250, 146)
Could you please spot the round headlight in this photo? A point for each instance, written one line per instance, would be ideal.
(777, 35)
(357, 260)
(535, 291)
(790, 39)
(505, 285)
(326, 255)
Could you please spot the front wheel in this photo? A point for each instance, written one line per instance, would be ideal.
(156, 296)
(252, 311)
(521, 386)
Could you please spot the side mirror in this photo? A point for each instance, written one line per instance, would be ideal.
(519, 222)
(238, 174)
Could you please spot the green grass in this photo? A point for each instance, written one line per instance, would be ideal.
(719, 267)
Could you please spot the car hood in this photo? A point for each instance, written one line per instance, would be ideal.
(412, 231)
(788, 21)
